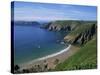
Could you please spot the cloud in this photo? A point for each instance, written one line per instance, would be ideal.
(53, 12)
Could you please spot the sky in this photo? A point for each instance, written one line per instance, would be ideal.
(30, 11)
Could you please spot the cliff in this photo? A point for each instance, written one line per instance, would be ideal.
(62, 25)
(81, 34)
(85, 58)
(79, 31)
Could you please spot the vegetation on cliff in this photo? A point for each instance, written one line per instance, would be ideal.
(84, 36)
(66, 25)
(86, 58)
(81, 34)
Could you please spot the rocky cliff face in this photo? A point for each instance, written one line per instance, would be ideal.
(66, 25)
(80, 31)
(61, 25)
(55, 27)
(84, 36)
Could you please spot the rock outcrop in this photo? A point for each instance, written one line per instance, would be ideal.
(82, 37)
(79, 31)
(61, 25)
(66, 25)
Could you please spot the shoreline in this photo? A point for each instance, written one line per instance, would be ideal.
(61, 55)
(52, 55)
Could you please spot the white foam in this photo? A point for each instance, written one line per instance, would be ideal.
(54, 54)
(46, 57)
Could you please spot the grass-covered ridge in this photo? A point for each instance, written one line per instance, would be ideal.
(83, 52)
(86, 58)
(83, 35)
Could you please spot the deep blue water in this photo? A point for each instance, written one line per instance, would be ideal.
(32, 42)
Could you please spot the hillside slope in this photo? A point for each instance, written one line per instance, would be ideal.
(66, 25)
(86, 58)
(81, 34)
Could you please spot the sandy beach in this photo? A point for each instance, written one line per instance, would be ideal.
(50, 59)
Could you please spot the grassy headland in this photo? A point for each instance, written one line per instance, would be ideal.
(85, 58)
(82, 36)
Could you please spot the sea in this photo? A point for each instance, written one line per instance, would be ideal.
(32, 42)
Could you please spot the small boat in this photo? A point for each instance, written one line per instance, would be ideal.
(39, 46)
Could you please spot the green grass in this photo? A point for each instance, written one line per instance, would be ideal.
(66, 22)
(85, 58)
(79, 29)
(80, 26)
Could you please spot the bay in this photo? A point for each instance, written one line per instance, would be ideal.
(32, 42)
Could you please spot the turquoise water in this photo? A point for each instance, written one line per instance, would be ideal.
(31, 42)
